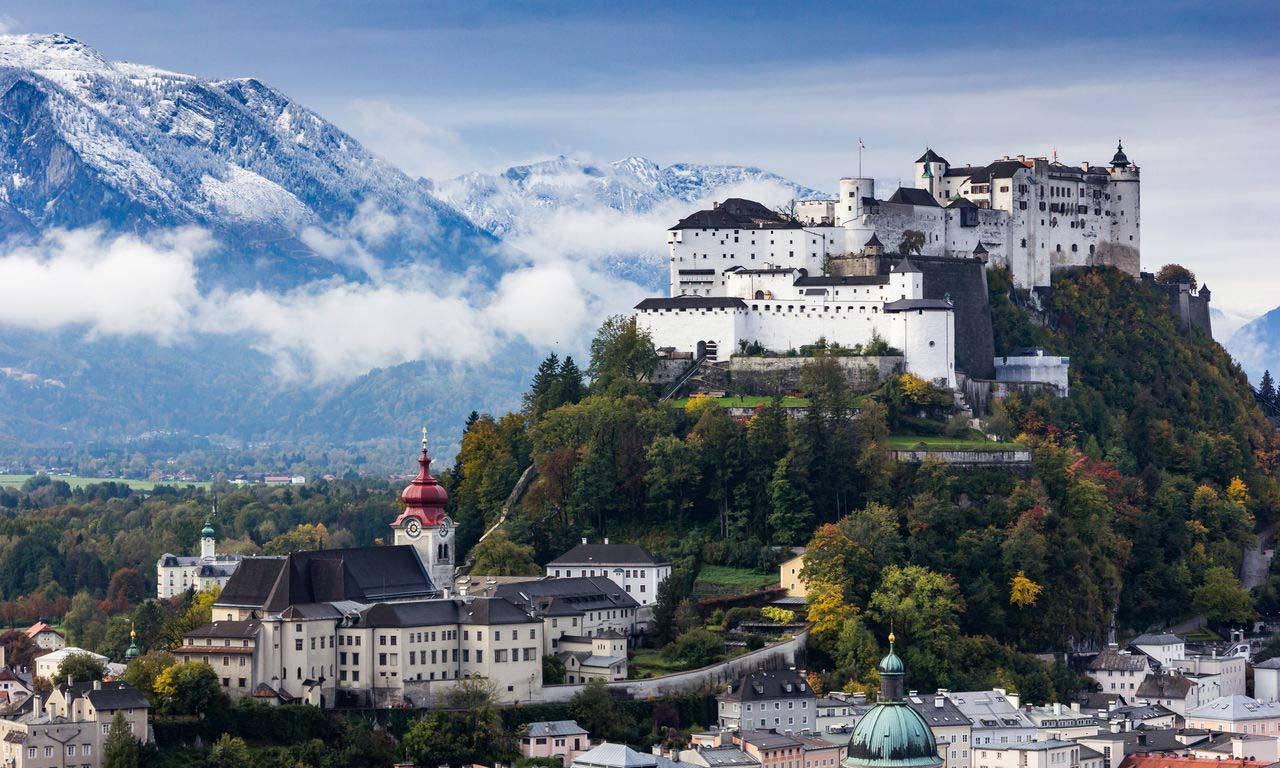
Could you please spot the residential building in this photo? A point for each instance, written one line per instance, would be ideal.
(1119, 671)
(13, 689)
(789, 574)
(1146, 716)
(68, 727)
(1035, 754)
(564, 739)
(840, 715)
(602, 657)
(176, 574)
(1163, 648)
(1237, 714)
(780, 700)
(951, 727)
(1119, 747)
(995, 717)
(1056, 721)
(228, 648)
(608, 755)
(47, 665)
(1266, 680)
(578, 606)
(630, 566)
(1173, 690)
(776, 750)
(717, 757)
(1215, 675)
(1239, 746)
(46, 637)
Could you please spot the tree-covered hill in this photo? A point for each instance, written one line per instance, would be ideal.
(1147, 484)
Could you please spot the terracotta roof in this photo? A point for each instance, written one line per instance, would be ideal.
(40, 628)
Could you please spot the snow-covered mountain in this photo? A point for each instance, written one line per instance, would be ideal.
(616, 212)
(523, 196)
(1256, 346)
(86, 141)
(210, 257)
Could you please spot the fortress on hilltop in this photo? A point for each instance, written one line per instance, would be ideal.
(904, 274)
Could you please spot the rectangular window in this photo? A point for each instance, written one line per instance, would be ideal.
(297, 644)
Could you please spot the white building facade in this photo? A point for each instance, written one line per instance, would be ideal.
(785, 308)
(629, 566)
(176, 574)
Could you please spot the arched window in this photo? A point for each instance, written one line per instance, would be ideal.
(759, 295)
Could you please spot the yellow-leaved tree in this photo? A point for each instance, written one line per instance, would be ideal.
(1023, 591)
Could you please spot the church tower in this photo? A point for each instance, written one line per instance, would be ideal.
(207, 548)
(424, 525)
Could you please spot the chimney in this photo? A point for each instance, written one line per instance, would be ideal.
(97, 685)
(938, 701)
(1021, 158)
(1115, 726)
(1015, 699)
(584, 539)
(1075, 707)
(606, 539)
(1057, 708)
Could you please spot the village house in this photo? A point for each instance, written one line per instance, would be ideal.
(46, 637)
(564, 739)
(1119, 671)
(603, 657)
(951, 728)
(789, 573)
(68, 727)
(1237, 714)
(1037, 754)
(995, 718)
(778, 700)
(47, 665)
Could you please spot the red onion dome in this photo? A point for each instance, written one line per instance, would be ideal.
(424, 497)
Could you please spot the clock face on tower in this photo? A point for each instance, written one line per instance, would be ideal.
(413, 528)
(446, 525)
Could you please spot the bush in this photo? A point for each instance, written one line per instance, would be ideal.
(697, 647)
(735, 616)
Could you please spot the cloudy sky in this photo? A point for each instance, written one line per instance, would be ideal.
(443, 88)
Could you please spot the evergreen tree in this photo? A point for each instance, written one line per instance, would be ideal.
(570, 381)
(544, 389)
(120, 749)
(1268, 389)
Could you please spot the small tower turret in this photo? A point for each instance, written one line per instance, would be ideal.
(207, 542)
(133, 652)
(892, 673)
(930, 169)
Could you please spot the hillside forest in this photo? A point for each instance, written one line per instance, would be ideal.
(1146, 485)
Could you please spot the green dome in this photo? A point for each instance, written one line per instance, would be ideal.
(892, 664)
(892, 735)
(207, 531)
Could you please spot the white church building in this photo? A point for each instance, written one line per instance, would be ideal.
(176, 574)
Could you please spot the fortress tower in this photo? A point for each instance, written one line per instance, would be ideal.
(1126, 213)
(930, 169)
(424, 525)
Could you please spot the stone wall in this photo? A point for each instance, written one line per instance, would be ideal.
(767, 376)
(788, 653)
(1013, 457)
(979, 393)
(1190, 307)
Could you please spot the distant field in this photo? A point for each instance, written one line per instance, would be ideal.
(80, 482)
(909, 442)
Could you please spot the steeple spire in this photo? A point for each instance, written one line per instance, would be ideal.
(132, 652)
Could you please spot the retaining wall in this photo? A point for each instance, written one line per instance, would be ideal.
(788, 653)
